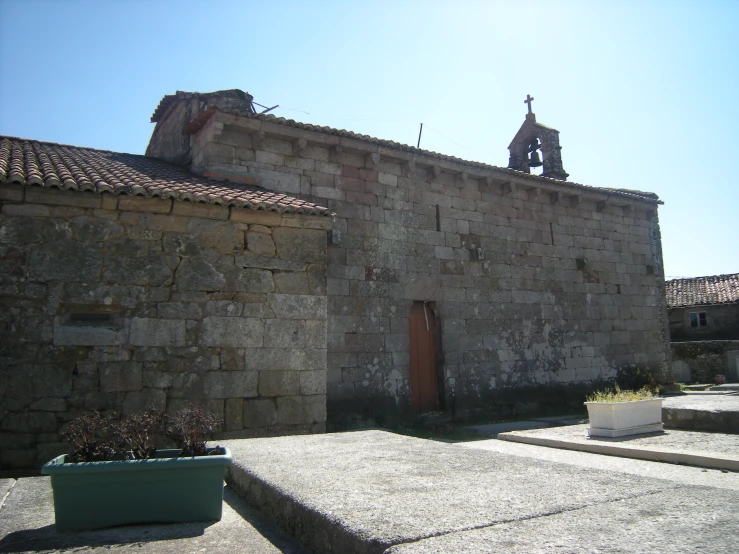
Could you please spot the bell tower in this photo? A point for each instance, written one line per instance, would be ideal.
(531, 138)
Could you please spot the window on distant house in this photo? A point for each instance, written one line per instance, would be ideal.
(698, 319)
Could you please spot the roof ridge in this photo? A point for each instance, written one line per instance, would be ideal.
(724, 275)
(702, 291)
(648, 196)
(50, 143)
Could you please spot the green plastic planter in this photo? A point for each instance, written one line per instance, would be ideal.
(165, 489)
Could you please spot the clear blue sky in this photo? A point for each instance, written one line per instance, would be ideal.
(643, 93)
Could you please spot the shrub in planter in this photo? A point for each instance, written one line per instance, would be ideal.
(623, 413)
(89, 436)
(115, 474)
(191, 428)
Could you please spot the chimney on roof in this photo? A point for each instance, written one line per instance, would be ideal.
(179, 116)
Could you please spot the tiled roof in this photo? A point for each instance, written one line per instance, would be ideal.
(50, 165)
(627, 193)
(702, 291)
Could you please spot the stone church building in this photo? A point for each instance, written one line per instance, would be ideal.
(288, 275)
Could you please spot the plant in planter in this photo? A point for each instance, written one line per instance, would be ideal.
(191, 428)
(137, 435)
(88, 435)
(622, 413)
(115, 474)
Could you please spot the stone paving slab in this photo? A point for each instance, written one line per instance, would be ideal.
(27, 525)
(563, 420)
(715, 450)
(492, 429)
(675, 522)
(367, 491)
(687, 475)
(5, 486)
(704, 402)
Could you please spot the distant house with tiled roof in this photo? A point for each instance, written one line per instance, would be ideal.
(703, 308)
(289, 275)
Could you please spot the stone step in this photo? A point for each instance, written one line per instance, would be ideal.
(492, 429)
(372, 492)
(700, 387)
(695, 448)
(718, 413)
(727, 387)
(696, 392)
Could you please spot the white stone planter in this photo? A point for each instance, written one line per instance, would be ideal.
(621, 419)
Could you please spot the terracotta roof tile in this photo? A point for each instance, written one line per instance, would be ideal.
(702, 291)
(45, 164)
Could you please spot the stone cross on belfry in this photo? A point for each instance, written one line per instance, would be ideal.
(529, 100)
(531, 138)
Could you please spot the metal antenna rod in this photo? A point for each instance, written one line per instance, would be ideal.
(419, 136)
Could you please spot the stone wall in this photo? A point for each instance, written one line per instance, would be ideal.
(536, 284)
(722, 320)
(701, 361)
(121, 303)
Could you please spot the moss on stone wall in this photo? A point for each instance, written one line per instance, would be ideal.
(692, 350)
(706, 359)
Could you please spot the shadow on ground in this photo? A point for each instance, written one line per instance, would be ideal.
(159, 538)
(264, 526)
(481, 429)
(47, 538)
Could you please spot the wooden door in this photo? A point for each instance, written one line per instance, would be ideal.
(424, 389)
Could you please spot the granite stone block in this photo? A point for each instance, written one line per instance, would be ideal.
(230, 384)
(268, 359)
(157, 332)
(230, 332)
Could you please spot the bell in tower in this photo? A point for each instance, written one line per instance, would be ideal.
(534, 160)
(532, 137)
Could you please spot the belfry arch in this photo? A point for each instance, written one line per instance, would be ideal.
(531, 138)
